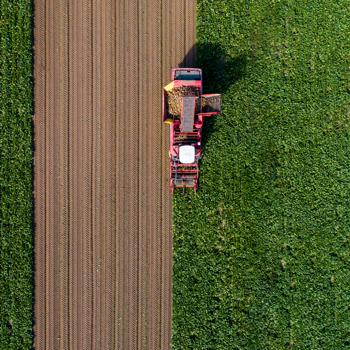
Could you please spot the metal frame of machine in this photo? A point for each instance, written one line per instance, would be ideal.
(186, 132)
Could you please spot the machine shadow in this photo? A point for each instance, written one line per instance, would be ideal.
(189, 61)
(220, 72)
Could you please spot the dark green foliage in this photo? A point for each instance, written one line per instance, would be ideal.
(262, 252)
(16, 275)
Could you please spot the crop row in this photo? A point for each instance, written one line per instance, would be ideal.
(16, 275)
(261, 253)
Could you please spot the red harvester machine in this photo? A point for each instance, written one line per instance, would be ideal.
(186, 129)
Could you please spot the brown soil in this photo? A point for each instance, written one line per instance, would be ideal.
(103, 245)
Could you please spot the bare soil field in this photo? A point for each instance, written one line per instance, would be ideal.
(103, 244)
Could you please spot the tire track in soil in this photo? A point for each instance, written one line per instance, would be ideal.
(142, 174)
(97, 232)
(101, 174)
(61, 129)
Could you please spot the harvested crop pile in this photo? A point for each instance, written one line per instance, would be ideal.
(199, 102)
(182, 136)
(174, 98)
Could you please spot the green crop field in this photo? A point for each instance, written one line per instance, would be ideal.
(262, 253)
(15, 175)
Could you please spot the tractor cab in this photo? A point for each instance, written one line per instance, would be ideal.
(184, 107)
(186, 74)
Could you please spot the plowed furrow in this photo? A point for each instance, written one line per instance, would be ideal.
(109, 174)
(39, 177)
(120, 192)
(96, 124)
(61, 44)
(74, 155)
(190, 33)
(166, 239)
(52, 304)
(131, 173)
(153, 137)
(85, 210)
(143, 189)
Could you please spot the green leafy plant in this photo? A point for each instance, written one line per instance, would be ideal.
(16, 274)
(261, 253)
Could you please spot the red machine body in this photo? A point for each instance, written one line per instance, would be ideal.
(186, 132)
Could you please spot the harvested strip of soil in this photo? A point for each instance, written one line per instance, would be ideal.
(103, 243)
